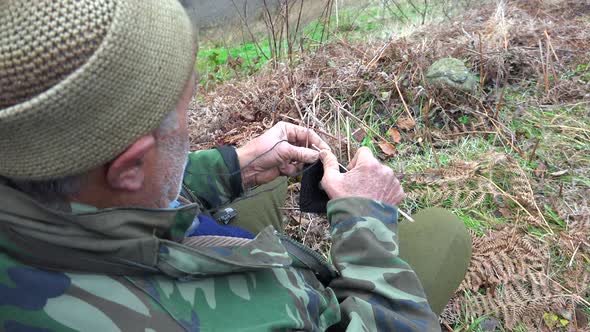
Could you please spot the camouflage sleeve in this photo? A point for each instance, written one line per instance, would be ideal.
(376, 289)
(213, 176)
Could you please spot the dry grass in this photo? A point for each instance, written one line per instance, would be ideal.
(511, 159)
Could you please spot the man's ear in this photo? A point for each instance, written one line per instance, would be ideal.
(127, 171)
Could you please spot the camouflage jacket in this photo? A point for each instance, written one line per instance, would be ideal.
(129, 269)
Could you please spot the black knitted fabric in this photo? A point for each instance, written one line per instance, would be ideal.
(312, 198)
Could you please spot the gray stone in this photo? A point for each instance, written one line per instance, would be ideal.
(453, 73)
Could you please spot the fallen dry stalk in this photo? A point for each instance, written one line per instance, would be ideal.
(401, 96)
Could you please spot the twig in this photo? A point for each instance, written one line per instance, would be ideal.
(481, 72)
(501, 100)
(448, 327)
(532, 156)
(574, 255)
(289, 45)
(569, 106)
(337, 16)
(557, 49)
(470, 132)
(298, 25)
(326, 25)
(551, 46)
(572, 294)
(499, 132)
(307, 136)
(379, 54)
(545, 67)
(339, 131)
(294, 97)
(569, 128)
(575, 316)
(547, 72)
(245, 23)
(348, 138)
(308, 228)
(405, 215)
(272, 39)
(402, 97)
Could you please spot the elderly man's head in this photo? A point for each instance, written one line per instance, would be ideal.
(147, 174)
(93, 99)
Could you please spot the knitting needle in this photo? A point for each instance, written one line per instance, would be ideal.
(404, 214)
(407, 216)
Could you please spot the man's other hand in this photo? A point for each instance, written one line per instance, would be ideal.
(366, 177)
(282, 150)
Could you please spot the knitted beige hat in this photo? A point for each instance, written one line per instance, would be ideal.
(80, 80)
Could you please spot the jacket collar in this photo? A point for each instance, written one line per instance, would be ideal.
(124, 241)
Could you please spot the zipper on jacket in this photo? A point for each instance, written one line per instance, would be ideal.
(324, 271)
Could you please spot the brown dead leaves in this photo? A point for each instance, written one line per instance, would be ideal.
(397, 137)
(387, 148)
(406, 123)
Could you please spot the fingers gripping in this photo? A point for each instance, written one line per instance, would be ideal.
(330, 162)
(300, 154)
(289, 169)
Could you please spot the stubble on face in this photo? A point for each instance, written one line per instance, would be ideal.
(173, 161)
(174, 148)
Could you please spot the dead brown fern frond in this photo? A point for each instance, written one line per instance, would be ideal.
(508, 279)
(503, 257)
(462, 194)
(467, 185)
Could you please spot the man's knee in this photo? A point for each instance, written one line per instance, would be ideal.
(438, 247)
(443, 225)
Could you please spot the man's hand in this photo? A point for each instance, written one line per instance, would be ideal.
(366, 177)
(282, 150)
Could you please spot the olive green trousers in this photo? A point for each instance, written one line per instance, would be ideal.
(437, 245)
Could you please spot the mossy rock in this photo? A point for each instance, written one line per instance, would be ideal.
(453, 73)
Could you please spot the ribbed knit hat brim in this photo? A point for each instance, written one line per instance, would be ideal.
(87, 106)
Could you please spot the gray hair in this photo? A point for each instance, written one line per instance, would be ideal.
(168, 125)
(53, 191)
(57, 191)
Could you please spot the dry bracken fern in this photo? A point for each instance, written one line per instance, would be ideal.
(509, 278)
